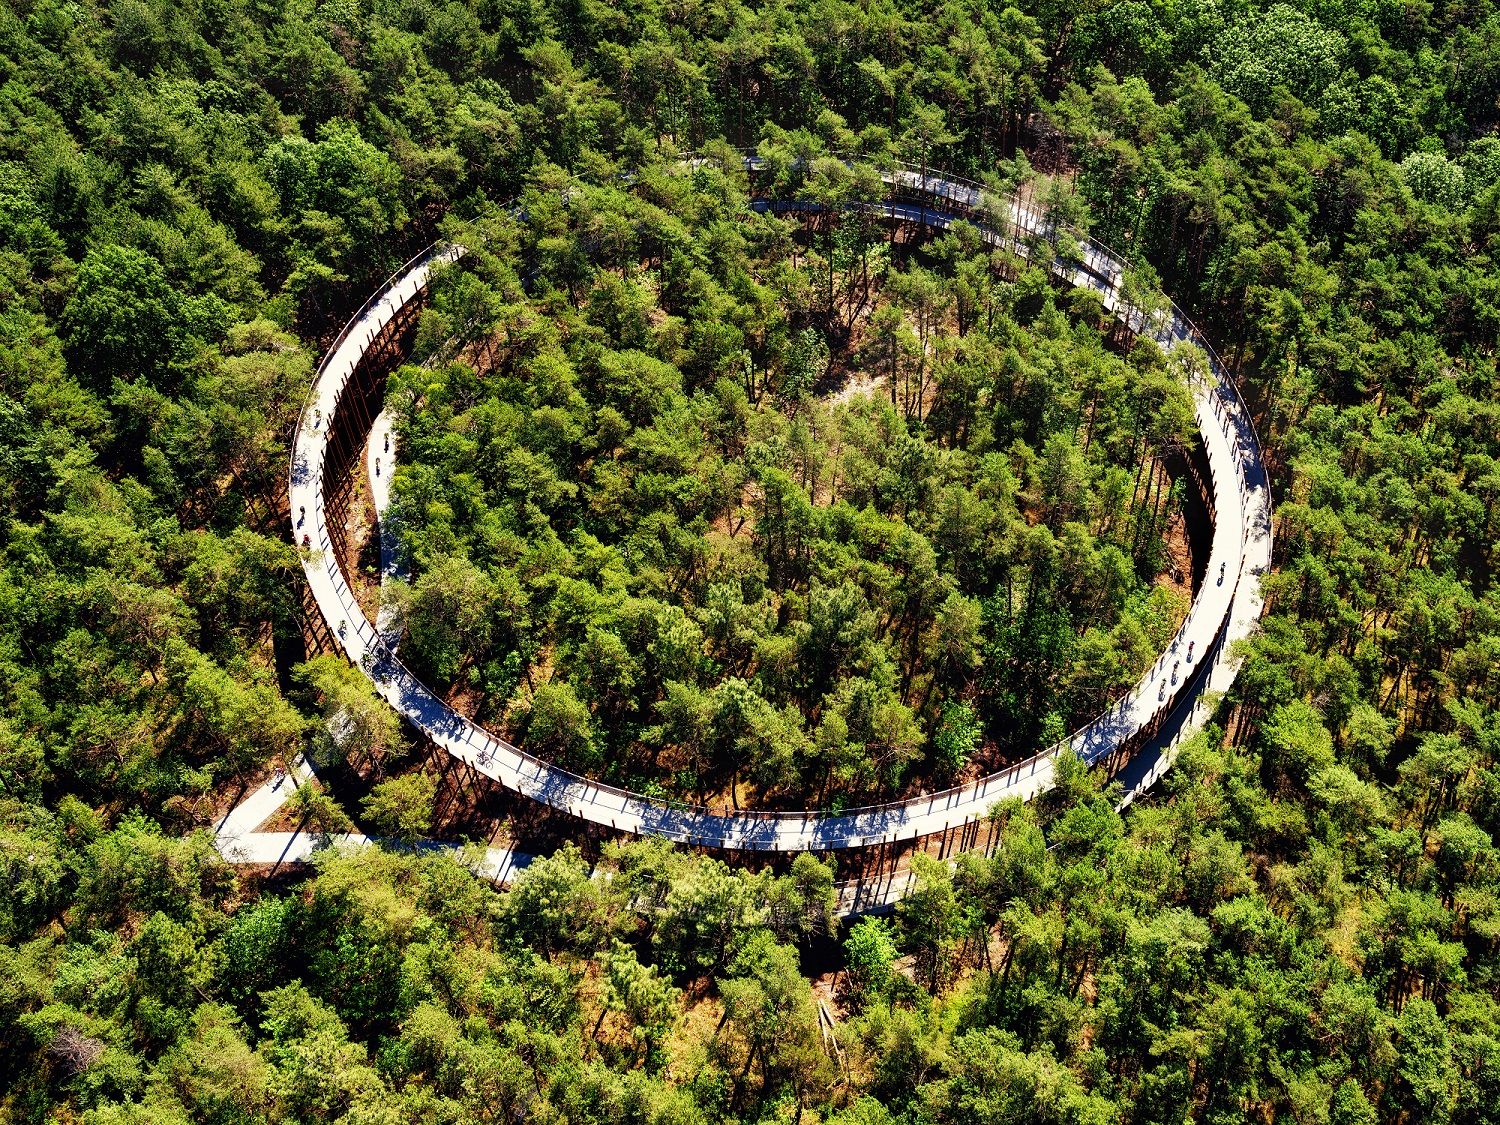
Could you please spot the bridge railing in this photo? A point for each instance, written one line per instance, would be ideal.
(373, 643)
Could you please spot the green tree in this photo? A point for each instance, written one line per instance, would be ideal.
(402, 806)
(647, 1001)
(559, 725)
(872, 952)
(123, 321)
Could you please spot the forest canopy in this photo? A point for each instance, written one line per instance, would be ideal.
(1299, 923)
(684, 510)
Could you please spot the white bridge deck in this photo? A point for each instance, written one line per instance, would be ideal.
(1223, 611)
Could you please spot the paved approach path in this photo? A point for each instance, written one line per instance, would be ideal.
(237, 839)
(1225, 609)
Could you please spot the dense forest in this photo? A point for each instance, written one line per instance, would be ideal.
(643, 539)
(1301, 923)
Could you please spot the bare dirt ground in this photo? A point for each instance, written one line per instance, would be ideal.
(1179, 573)
(859, 383)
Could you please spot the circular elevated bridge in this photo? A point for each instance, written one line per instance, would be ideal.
(1136, 737)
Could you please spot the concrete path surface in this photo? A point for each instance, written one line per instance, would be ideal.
(260, 806)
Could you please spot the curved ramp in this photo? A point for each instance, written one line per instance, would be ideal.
(1157, 711)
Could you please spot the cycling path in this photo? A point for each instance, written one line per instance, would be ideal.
(1222, 612)
(237, 839)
